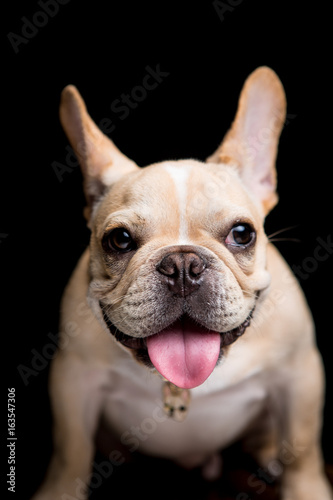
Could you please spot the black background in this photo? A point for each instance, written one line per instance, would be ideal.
(104, 48)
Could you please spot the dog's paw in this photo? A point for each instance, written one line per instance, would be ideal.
(211, 466)
(212, 469)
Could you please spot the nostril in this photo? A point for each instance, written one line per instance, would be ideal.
(196, 267)
(170, 266)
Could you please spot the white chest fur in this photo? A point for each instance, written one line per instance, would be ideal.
(217, 414)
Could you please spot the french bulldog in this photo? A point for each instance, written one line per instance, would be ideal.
(183, 330)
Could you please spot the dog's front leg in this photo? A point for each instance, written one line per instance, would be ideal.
(76, 390)
(303, 477)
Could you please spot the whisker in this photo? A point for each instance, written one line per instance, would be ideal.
(296, 240)
(118, 299)
(282, 230)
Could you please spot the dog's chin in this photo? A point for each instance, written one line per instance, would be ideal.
(139, 346)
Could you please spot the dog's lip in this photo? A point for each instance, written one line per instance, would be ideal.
(126, 340)
(136, 343)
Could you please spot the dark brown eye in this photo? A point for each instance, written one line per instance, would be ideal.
(241, 235)
(118, 239)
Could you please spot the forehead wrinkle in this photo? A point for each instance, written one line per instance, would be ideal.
(122, 217)
(151, 200)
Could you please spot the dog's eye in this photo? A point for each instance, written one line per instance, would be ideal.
(118, 239)
(241, 235)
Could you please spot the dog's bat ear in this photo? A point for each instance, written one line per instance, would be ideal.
(252, 141)
(101, 161)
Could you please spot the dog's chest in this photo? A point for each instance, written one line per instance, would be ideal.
(217, 413)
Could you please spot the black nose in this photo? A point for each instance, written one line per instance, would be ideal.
(182, 272)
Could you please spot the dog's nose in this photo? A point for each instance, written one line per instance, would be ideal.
(182, 272)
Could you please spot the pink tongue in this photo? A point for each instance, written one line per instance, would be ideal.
(184, 353)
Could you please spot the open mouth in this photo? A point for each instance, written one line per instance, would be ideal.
(185, 352)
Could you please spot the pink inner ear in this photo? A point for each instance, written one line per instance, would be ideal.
(258, 131)
(253, 138)
(268, 181)
(101, 161)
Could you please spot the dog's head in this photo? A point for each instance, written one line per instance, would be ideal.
(178, 250)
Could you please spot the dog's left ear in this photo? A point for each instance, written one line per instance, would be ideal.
(101, 162)
(251, 143)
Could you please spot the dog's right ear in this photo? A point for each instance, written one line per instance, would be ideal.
(101, 162)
